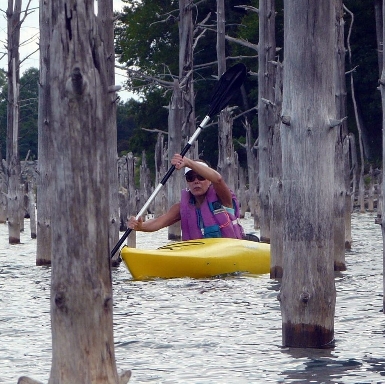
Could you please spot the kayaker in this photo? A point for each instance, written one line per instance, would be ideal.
(208, 208)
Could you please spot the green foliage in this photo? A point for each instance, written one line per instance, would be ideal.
(28, 128)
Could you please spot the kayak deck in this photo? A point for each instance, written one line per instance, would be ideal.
(198, 259)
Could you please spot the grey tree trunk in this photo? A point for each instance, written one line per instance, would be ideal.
(266, 113)
(276, 194)
(81, 289)
(226, 156)
(12, 156)
(342, 182)
(308, 144)
(382, 88)
(161, 165)
(175, 119)
(105, 18)
(45, 191)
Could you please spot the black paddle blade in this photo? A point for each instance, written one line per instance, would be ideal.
(227, 85)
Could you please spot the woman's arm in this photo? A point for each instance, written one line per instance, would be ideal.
(219, 184)
(152, 225)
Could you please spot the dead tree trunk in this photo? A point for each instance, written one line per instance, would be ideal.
(81, 289)
(160, 201)
(45, 193)
(382, 88)
(226, 156)
(361, 184)
(266, 114)
(175, 118)
(341, 175)
(12, 155)
(308, 144)
(276, 194)
(3, 190)
(106, 20)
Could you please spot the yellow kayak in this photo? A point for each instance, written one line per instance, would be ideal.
(198, 259)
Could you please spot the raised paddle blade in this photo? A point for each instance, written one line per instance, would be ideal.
(226, 87)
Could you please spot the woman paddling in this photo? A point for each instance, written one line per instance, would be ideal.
(208, 208)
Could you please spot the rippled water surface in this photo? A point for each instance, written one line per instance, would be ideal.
(202, 331)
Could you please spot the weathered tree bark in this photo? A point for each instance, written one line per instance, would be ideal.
(361, 184)
(226, 156)
(252, 173)
(182, 111)
(12, 155)
(308, 144)
(266, 114)
(106, 20)
(3, 190)
(131, 202)
(160, 201)
(45, 193)
(382, 89)
(354, 167)
(342, 181)
(175, 121)
(276, 194)
(145, 184)
(32, 210)
(81, 289)
(379, 28)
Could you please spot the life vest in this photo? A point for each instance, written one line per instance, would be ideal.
(211, 219)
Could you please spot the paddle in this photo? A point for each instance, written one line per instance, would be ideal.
(226, 87)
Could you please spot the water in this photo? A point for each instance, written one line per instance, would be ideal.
(202, 331)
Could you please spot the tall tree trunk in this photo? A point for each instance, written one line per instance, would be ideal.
(175, 119)
(45, 192)
(12, 156)
(308, 144)
(105, 18)
(276, 197)
(226, 156)
(81, 289)
(357, 114)
(182, 112)
(266, 114)
(342, 184)
(382, 88)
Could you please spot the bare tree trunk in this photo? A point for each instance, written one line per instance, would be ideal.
(226, 153)
(226, 157)
(276, 198)
(81, 289)
(354, 167)
(308, 144)
(379, 27)
(3, 190)
(105, 18)
(32, 210)
(131, 203)
(266, 114)
(361, 184)
(341, 175)
(252, 173)
(160, 200)
(175, 118)
(12, 156)
(382, 88)
(45, 193)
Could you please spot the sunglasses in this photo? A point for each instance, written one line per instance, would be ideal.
(192, 176)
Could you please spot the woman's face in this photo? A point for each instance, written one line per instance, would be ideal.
(197, 185)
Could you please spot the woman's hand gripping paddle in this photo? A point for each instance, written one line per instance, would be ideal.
(228, 84)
